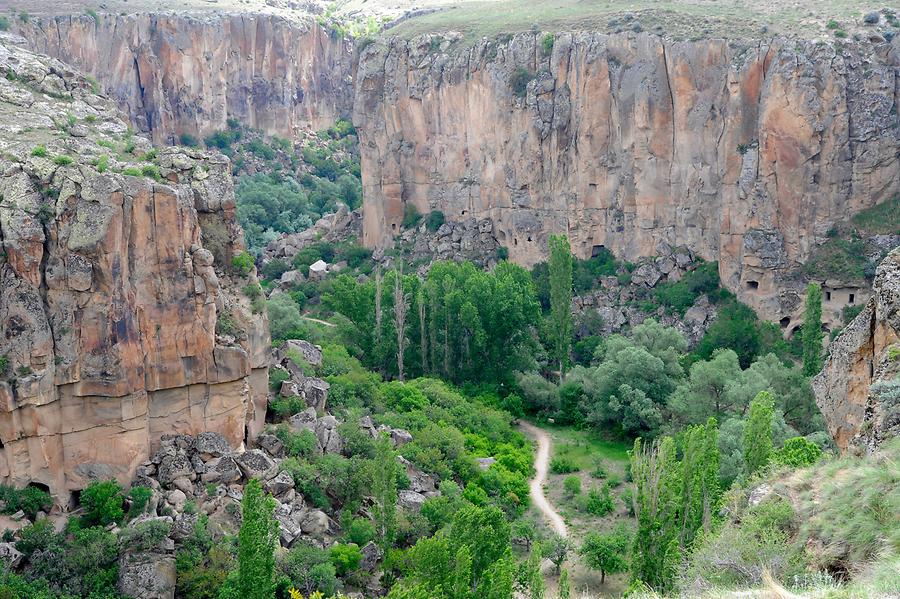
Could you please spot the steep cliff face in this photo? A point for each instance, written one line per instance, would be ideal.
(858, 390)
(118, 322)
(746, 154)
(176, 74)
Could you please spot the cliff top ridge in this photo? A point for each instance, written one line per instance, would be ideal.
(474, 19)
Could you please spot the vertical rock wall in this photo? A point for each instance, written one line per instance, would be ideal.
(175, 74)
(745, 153)
(120, 321)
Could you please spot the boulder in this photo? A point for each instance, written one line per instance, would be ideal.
(280, 483)
(174, 466)
(371, 554)
(147, 575)
(221, 470)
(211, 445)
(312, 354)
(327, 435)
(271, 444)
(315, 523)
(9, 555)
(410, 500)
(254, 463)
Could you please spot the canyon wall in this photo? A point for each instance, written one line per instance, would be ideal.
(858, 390)
(745, 153)
(120, 321)
(176, 74)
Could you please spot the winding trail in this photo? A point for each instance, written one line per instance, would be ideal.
(541, 464)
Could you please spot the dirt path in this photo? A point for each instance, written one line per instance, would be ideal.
(541, 463)
(311, 319)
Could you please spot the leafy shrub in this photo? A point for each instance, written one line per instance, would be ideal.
(152, 171)
(186, 139)
(519, 81)
(132, 171)
(39, 151)
(563, 465)
(435, 220)
(139, 496)
(276, 377)
(411, 216)
(681, 295)
(309, 569)
(297, 445)
(144, 536)
(30, 500)
(62, 160)
(24, 16)
(273, 269)
(832, 24)
(4, 365)
(547, 44)
(502, 253)
(797, 453)
(4, 23)
(572, 485)
(102, 502)
(243, 263)
(345, 558)
(92, 13)
(102, 163)
(599, 502)
(361, 531)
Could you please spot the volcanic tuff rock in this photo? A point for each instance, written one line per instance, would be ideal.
(858, 390)
(176, 74)
(745, 153)
(118, 321)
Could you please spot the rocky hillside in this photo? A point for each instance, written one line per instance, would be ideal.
(185, 75)
(858, 391)
(125, 312)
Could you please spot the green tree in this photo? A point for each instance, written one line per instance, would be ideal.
(256, 544)
(700, 477)
(556, 549)
(561, 299)
(758, 433)
(102, 502)
(606, 552)
(657, 498)
(564, 591)
(812, 330)
(708, 389)
(384, 493)
(797, 452)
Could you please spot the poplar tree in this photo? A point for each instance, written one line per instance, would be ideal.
(812, 330)
(700, 476)
(758, 433)
(561, 299)
(384, 493)
(564, 590)
(401, 308)
(657, 499)
(256, 544)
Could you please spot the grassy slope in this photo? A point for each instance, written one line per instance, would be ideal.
(685, 19)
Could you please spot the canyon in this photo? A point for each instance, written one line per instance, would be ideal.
(747, 153)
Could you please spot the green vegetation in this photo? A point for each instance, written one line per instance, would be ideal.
(519, 81)
(39, 151)
(62, 160)
(607, 553)
(434, 220)
(560, 269)
(411, 216)
(4, 23)
(256, 545)
(290, 187)
(547, 44)
(30, 500)
(758, 433)
(812, 331)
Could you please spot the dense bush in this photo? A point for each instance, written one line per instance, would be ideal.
(30, 500)
(102, 502)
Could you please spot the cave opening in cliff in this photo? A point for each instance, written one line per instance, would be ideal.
(74, 499)
(753, 285)
(852, 298)
(784, 322)
(39, 486)
(597, 250)
(827, 296)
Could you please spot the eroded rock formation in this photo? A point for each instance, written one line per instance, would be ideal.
(120, 317)
(176, 74)
(858, 391)
(745, 153)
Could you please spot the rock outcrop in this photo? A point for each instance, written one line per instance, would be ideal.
(121, 317)
(858, 390)
(180, 74)
(743, 152)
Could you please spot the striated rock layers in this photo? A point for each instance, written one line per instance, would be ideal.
(177, 74)
(745, 153)
(858, 391)
(118, 321)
